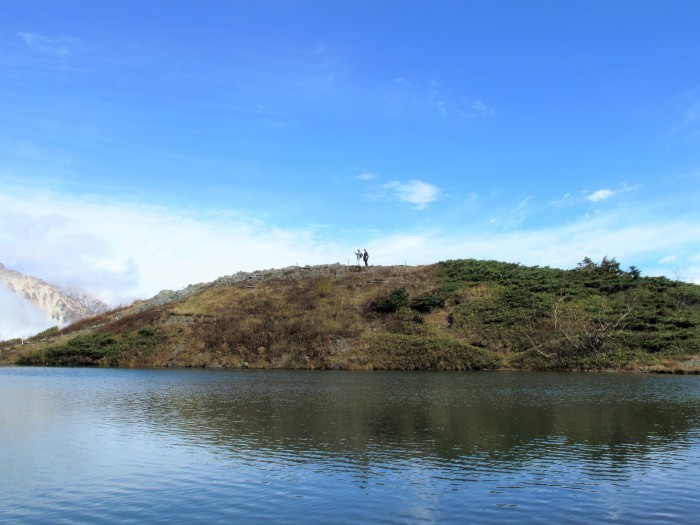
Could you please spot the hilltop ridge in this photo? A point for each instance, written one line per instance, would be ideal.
(453, 315)
(293, 272)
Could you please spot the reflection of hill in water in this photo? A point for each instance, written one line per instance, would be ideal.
(499, 417)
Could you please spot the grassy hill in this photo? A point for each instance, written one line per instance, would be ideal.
(453, 315)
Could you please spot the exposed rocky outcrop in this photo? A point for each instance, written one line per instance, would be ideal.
(60, 306)
(291, 272)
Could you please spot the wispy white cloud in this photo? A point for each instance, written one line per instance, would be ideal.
(366, 176)
(600, 195)
(18, 317)
(60, 48)
(478, 108)
(688, 103)
(415, 192)
(432, 98)
(559, 246)
(564, 199)
(471, 199)
(119, 250)
(684, 108)
(521, 211)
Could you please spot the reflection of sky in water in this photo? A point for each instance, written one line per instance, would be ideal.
(120, 445)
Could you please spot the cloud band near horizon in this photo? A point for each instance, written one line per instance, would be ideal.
(119, 251)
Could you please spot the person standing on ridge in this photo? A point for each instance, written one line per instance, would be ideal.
(365, 257)
(358, 255)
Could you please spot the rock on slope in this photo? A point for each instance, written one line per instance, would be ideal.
(61, 307)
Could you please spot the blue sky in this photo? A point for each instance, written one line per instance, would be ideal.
(149, 145)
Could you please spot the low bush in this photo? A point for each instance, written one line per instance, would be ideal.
(428, 302)
(397, 299)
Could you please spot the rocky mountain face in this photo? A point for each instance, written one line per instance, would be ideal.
(60, 306)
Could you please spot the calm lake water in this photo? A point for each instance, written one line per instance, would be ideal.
(188, 446)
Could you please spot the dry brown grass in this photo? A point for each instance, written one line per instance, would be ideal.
(336, 317)
(311, 322)
(315, 322)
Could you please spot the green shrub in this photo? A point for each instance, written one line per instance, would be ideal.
(397, 299)
(428, 302)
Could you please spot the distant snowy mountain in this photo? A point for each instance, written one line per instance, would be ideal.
(29, 305)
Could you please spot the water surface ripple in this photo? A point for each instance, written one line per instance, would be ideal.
(194, 446)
